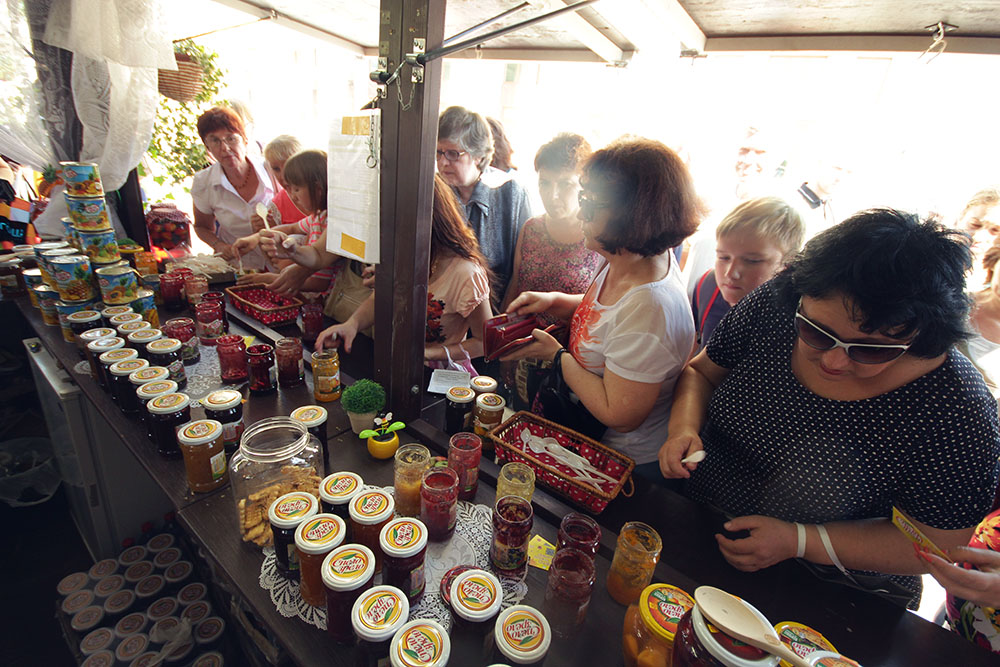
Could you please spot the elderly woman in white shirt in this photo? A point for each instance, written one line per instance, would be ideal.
(226, 193)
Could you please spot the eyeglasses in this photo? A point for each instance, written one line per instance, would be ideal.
(589, 206)
(233, 140)
(450, 155)
(864, 353)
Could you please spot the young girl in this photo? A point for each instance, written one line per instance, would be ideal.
(305, 173)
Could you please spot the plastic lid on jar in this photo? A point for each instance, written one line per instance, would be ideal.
(119, 602)
(165, 404)
(87, 618)
(192, 592)
(132, 646)
(162, 608)
(130, 624)
(181, 653)
(379, 612)
(310, 415)
(371, 507)
(484, 384)
(830, 659)
(163, 346)
(209, 630)
(197, 611)
(76, 601)
(728, 650)
(133, 554)
(96, 640)
(178, 572)
(348, 567)
(71, 583)
(449, 578)
(124, 318)
(150, 586)
(92, 335)
(111, 311)
(130, 328)
(151, 390)
(490, 402)
(210, 659)
(103, 658)
(104, 345)
(403, 537)
(83, 316)
(158, 543)
(319, 534)
(291, 509)
(476, 595)
(461, 395)
(200, 432)
(103, 568)
(127, 367)
(661, 607)
(420, 643)
(167, 557)
(223, 399)
(148, 374)
(145, 336)
(119, 353)
(522, 634)
(802, 639)
(340, 487)
(108, 585)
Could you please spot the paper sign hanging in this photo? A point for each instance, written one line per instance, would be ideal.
(353, 191)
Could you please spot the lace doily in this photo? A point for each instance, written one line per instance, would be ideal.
(469, 545)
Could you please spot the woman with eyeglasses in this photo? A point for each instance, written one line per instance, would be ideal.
(833, 393)
(631, 332)
(225, 193)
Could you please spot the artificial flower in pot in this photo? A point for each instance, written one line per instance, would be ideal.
(382, 440)
(362, 401)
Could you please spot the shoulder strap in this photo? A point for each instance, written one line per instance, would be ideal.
(708, 308)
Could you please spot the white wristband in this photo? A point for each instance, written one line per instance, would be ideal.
(801, 550)
(825, 538)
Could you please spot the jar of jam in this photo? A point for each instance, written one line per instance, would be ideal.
(80, 321)
(420, 643)
(91, 336)
(204, 457)
(194, 287)
(226, 407)
(208, 635)
(579, 531)
(178, 574)
(95, 349)
(347, 573)
(122, 391)
(314, 539)
(326, 375)
(74, 602)
(118, 604)
(285, 515)
(172, 291)
(651, 623)
(370, 512)
(636, 554)
(439, 502)
(336, 492)
(165, 607)
(291, 367)
(696, 644)
(313, 417)
(131, 648)
(489, 412)
(166, 414)
(483, 384)
(568, 589)
(149, 589)
(232, 358)
(131, 624)
(376, 616)
(312, 321)
(512, 521)
(108, 586)
(100, 639)
(516, 479)
(143, 337)
(11, 280)
(166, 352)
(458, 410)
(129, 328)
(147, 392)
(476, 596)
(260, 368)
(219, 298)
(183, 329)
(72, 583)
(208, 315)
(404, 544)
(114, 311)
(123, 318)
(464, 453)
(111, 357)
(521, 636)
(410, 462)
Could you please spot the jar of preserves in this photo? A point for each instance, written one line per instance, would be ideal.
(314, 418)
(114, 311)
(122, 391)
(512, 521)
(88, 337)
(131, 624)
(370, 512)
(147, 374)
(277, 455)
(194, 287)
(489, 412)
(465, 450)
(172, 291)
(66, 308)
(314, 539)
(260, 368)
(226, 407)
(312, 321)
(143, 337)
(410, 462)
(336, 493)
(802, 639)
(376, 616)
(326, 375)
(204, 457)
(420, 643)
(458, 410)
(285, 515)
(166, 352)
(291, 367)
(232, 358)
(220, 298)
(476, 596)
(148, 392)
(636, 554)
(697, 644)
(439, 502)
(516, 479)
(166, 414)
(81, 321)
(123, 318)
(578, 531)
(183, 329)
(568, 589)
(95, 349)
(483, 384)
(111, 357)
(347, 573)
(404, 545)
(119, 604)
(129, 328)
(208, 315)
(11, 280)
(521, 636)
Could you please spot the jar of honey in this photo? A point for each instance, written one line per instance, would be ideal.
(347, 573)
(314, 539)
(204, 456)
(408, 472)
(420, 643)
(376, 616)
(651, 624)
(636, 555)
(404, 545)
(326, 375)
(336, 492)
(370, 511)
(285, 515)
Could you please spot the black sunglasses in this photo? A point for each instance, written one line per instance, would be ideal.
(589, 205)
(864, 353)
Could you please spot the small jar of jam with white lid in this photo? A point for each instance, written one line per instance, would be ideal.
(420, 643)
(122, 391)
(336, 492)
(111, 357)
(166, 352)
(376, 616)
(347, 573)
(521, 636)
(147, 392)
(167, 413)
(143, 337)
(404, 546)
(226, 407)
(314, 539)
(285, 515)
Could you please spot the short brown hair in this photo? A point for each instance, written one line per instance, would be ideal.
(307, 169)
(220, 118)
(567, 151)
(652, 197)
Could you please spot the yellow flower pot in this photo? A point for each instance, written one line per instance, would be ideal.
(383, 447)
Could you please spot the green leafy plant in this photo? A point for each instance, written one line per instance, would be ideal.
(175, 145)
(383, 427)
(363, 396)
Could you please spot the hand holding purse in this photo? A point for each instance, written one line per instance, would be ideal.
(505, 333)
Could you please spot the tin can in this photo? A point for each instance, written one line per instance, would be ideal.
(69, 232)
(100, 246)
(89, 214)
(32, 279)
(64, 309)
(45, 263)
(73, 277)
(47, 298)
(119, 285)
(145, 305)
(82, 179)
(151, 281)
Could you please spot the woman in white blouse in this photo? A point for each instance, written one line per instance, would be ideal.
(226, 193)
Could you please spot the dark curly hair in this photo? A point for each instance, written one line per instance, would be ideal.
(901, 277)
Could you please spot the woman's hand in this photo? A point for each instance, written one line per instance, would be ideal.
(272, 243)
(225, 251)
(676, 448)
(246, 244)
(531, 302)
(290, 280)
(771, 541)
(976, 586)
(256, 279)
(257, 223)
(368, 276)
(543, 348)
(332, 336)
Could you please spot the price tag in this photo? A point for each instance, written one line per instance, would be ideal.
(540, 552)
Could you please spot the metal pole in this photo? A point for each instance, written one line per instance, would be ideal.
(485, 23)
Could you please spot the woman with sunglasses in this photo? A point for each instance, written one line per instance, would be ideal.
(833, 393)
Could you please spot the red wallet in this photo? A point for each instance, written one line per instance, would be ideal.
(505, 333)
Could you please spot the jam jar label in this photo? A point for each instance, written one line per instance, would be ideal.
(349, 564)
(218, 463)
(380, 609)
(296, 506)
(307, 414)
(372, 503)
(132, 646)
(461, 394)
(119, 355)
(149, 374)
(420, 645)
(320, 531)
(162, 608)
(523, 631)
(118, 601)
(176, 371)
(231, 433)
(802, 639)
(109, 585)
(96, 640)
(404, 534)
(665, 605)
(131, 623)
(200, 429)
(103, 568)
(341, 485)
(191, 593)
(476, 592)
(149, 585)
(208, 629)
(491, 401)
(169, 401)
(139, 570)
(131, 365)
(155, 387)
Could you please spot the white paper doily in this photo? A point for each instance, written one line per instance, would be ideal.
(469, 545)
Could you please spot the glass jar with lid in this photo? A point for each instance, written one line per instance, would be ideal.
(122, 390)
(129, 328)
(143, 337)
(110, 357)
(277, 455)
(167, 413)
(148, 392)
(651, 623)
(138, 378)
(85, 338)
(167, 352)
(183, 329)
(226, 407)
(98, 347)
(204, 458)
(81, 321)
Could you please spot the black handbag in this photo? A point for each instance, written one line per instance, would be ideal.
(562, 406)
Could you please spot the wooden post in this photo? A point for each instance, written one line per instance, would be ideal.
(409, 139)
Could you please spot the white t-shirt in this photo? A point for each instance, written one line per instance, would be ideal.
(646, 337)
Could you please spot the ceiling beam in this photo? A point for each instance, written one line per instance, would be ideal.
(258, 11)
(523, 55)
(591, 37)
(654, 26)
(891, 43)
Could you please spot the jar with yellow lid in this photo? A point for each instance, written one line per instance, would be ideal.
(802, 639)
(651, 623)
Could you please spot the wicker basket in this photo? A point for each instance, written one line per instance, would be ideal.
(184, 84)
(250, 299)
(595, 497)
